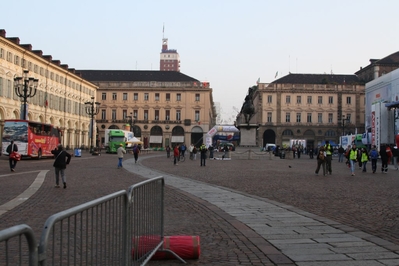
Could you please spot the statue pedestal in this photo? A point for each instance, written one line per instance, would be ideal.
(248, 134)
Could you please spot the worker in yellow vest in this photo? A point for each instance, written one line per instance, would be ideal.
(329, 152)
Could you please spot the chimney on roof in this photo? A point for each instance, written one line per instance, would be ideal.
(64, 66)
(72, 70)
(14, 40)
(3, 33)
(48, 57)
(27, 46)
(38, 52)
(56, 62)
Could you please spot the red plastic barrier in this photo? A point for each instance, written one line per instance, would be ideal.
(144, 244)
(186, 247)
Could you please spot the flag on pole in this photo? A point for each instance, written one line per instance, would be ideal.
(45, 100)
(275, 76)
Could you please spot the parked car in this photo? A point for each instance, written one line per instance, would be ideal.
(270, 147)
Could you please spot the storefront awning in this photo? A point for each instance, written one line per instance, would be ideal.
(155, 139)
(177, 139)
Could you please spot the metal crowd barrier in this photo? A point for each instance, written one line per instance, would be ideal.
(123, 228)
(145, 214)
(15, 251)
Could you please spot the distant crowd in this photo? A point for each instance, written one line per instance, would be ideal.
(358, 157)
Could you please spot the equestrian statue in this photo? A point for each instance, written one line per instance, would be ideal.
(248, 108)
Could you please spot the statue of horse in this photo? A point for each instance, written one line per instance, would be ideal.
(248, 109)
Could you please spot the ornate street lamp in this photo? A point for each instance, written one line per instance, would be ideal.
(25, 88)
(92, 109)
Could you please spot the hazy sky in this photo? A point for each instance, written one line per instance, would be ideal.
(229, 43)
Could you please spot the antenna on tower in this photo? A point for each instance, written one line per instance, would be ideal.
(163, 31)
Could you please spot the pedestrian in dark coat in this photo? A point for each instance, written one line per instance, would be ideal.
(210, 148)
(167, 152)
(12, 147)
(384, 159)
(62, 158)
(136, 152)
(203, 151)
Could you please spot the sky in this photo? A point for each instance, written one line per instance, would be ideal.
(231, 44)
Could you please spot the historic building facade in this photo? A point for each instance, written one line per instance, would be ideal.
(163, 107)
(61, 93)
(378, 67)
(307, 109)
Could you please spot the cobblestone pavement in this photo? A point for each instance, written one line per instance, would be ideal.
(367, 201)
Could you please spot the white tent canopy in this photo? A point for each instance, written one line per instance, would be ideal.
(133, 141)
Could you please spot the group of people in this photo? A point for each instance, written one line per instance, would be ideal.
(355, 157)
(121, 151)
(179, 151)
(324, 158)
(61, 159)
(362, 156)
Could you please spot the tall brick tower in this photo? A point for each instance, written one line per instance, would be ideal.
(170, 59)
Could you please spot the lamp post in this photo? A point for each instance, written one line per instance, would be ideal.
(25, 87)
(132, 121)
(92, 109)
(347, 119)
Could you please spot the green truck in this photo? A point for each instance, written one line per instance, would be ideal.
(113, 139)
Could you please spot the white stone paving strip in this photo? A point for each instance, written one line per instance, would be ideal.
(306, 241)
(21, 198)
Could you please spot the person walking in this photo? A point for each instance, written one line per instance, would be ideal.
(195, 153)
(365, 158)
(374, 157)
(120, 152)
(225, 151)
(176, 154)
(183, 149)
(321, 161)
(395, 155)
(210, 148)
(62, 158)
(359, 157)
(167, 152)
(10, 148)
(203, 151)
(310, 151)
(136, 152)
(341, 152)
(347, 152)
(329, 152)
(353, 158)
(190, 149)
(389, 153)
(384, 159)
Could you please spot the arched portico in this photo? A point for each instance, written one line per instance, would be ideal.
(197, 136)
(269, 136)
(177, 135)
